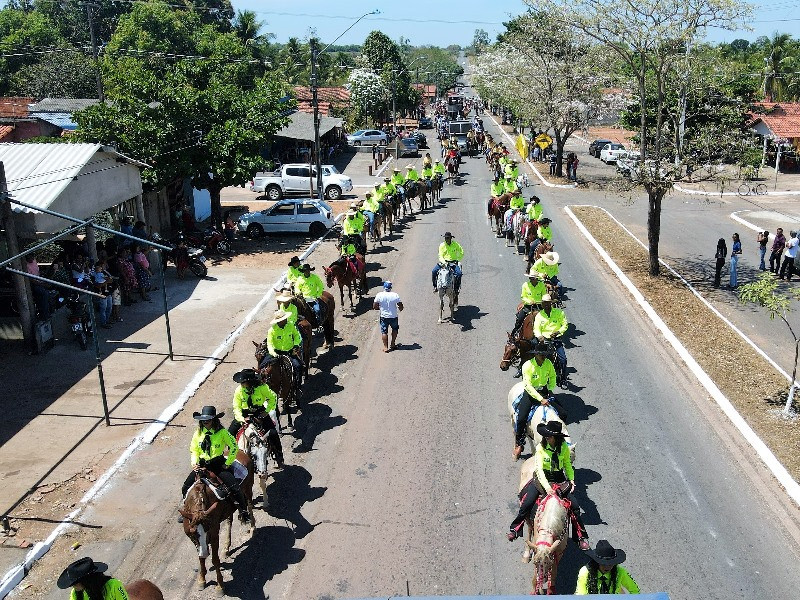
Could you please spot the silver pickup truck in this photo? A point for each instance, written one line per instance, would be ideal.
(300, 179)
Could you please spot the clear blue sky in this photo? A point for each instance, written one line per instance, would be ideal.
(445, 22)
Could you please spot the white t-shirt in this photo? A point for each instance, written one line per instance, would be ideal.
(791, 251)
(388, 302)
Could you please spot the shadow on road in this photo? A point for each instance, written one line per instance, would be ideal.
(583, 479)
(575, 408)
(312, 421)
(466, 315)
(287, 494)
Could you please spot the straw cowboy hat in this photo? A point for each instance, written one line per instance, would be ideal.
(208, 413)
(280, 316)
(550, 429)
(547, 298)
(536, 274)
(354, 205)
(78, 570)
(245, 375)
(605, 554)
(550, 258)
(285, 295)
(352, 213)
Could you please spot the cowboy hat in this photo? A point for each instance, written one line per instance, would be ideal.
(352, 213)
(547, 298)
(280, 316)
(285, 295)
(208, 413)
(396, 170)
(353, 205)
(605, 554)
(245, 375)
(541, 348)
(536, 274)
(550, 258)
(309, 267)
(377, 184)
(78, 570)
(545, 220)
(437, 160)
(447, 234)
(409, 167)
(295, 259)
(386, 179)
(550, 429)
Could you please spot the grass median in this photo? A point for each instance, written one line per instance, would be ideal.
(752, 385)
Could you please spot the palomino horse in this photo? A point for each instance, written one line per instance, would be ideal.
(277, 374)
(203, 514)
(540, 414)
(547, 535)
(343, 274)
(255, 442)
(497, 210)
(446, 286)
(142, 589)
(304, 309)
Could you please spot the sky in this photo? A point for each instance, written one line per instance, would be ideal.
(445, 22)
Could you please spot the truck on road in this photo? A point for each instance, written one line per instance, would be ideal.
(301, 179)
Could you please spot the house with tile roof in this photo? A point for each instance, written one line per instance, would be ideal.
(778, 123)
(333, 101)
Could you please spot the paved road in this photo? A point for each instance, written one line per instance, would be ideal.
(400, 477)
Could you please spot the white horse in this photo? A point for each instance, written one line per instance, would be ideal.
(254, 442)
(446, 286)
(541, 414)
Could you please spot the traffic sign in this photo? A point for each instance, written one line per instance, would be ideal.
(543, 140)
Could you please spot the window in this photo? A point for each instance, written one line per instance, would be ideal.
(307, 209)
(282, 210)
(293, 171)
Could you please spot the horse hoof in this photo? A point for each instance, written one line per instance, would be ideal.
(221, 591)
(441, 321)
(200, 584)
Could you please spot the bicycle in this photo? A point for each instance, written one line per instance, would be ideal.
(758, 189)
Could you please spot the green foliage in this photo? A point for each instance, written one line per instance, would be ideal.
(763, 292)
(434, 66)
(57, 75)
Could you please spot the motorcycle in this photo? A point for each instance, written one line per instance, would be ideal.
(79, 321)
(196, 258)
(211, 239)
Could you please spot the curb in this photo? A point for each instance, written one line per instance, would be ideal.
(704, 193)
(765, 454)
(529, 163)
(14, 576)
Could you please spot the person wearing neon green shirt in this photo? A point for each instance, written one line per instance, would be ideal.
(510, 186)
(549, 325)
(283, 339)
(438, 168)
(532, 292)
(603, 574)
(389, 188)
(294, 271)
(547, 265)
(353, 224)
(517, 201)
(534, 211)
(449, 251)
(511, 171)
(310, 287)
(397, 178)
(553, 466)
(427, 172)
(411, 173)
(543, 233)
(207, 449)
(87, 581)
(370, 209)
(252, 397)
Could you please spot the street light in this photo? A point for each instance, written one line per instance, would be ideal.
(314, 100)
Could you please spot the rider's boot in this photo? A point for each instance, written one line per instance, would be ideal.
(241, 502)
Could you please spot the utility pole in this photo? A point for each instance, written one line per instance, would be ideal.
(315, 103)
(394, 102)
(93, 38)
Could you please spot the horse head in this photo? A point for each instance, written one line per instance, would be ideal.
(196, 507)
(257, 446)
(261, 351)
(329, 275)
(510, 353)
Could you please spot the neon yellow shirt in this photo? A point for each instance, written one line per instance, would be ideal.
(427, 172)
(547, 463)
(517, 202)
(310, 287)
(450, 252)
(292, 273)
(112, 590)
(532, 293)
(398, 179)
(282, 339)
(537, 376)
(291, 309)
(412, 175)
(549, 271)
(261, 395)
(220, 440)
(547, 326)
(624, 581)
(535, 211)
(353, 225)
(498, 189)
(511, 185)
(438, 169)
(371, 205)
(545, 233)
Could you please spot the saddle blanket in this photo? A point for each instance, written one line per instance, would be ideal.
(543, 414)
(239, 472)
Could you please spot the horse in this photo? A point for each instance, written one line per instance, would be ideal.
(436, 188)
(343, 274)
(446, 286)
(540, 414)
(304, 309)
(253, 440)
(497, 210)
(277, 374)
(530, 229)
(143, 589)
(452, 169)
(516, 224)
(518, 347)
(203, 514)
(387, 211)
(374, 233)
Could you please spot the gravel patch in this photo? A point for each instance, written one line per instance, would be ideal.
(752, 385)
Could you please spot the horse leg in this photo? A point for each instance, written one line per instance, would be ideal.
(287, 408)
(262, 481)
(228, 529)
(215, 558)
(201, 575)
(527, 554)
(452, 298)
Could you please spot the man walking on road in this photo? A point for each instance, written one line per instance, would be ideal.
(390, 305)
(788, 257)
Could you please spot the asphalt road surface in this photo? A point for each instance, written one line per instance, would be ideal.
(400, 477)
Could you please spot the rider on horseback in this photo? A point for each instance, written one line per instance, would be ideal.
(283, 339)
(532, 292)
(348, 256)
(449, 251)
(534, 211)
(539, 378)
(253, 397)
(544, 233)
(371, 208)
(208, 445)
(294, 271)
(550, 324)
(603, 574)
(511, 171)
(517, 201)
(398, 181)
(87, 580)
(547, 265)
(553, 465)
(510, 185)
(438, 169)
(310, 287)
(427, 175)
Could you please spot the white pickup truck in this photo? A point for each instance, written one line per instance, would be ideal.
(300, 179)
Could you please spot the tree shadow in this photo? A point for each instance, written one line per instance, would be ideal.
(288, 492)
(466, 315)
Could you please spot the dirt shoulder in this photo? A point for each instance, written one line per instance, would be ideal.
(752, 385)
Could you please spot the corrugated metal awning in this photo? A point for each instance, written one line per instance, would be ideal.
(301, 127)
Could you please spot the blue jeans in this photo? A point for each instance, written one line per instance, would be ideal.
(105, 305)
(371, 218)
(457, 273)
(316, 306)
(762, 251)
(734, 278)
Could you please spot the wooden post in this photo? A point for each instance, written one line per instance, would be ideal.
(27, 312)
(140, 208)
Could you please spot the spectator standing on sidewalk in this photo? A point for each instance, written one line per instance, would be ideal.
(762, 239)
(390, 305)
(778, 245)
(788, 257)
(736, 251)
(721, 255)
(552, 159)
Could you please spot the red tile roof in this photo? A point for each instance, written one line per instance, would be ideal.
(782, 119)
(5, 130)
(334, 95)
(14, 106)
(307, 107)
(428, 90)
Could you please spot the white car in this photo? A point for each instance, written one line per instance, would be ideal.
(300, 179)
(611, 152)
(367, 136)
(295, 215)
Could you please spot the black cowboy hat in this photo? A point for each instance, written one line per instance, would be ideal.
(447, 234)
(294, 260)
(78, 570)
(541, 348)
(605, 554)
(245, 375)
(545, 220)
(309, 267)
(208, 413)
(550, 429)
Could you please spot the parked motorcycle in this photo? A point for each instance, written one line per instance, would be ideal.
(210, 239)
(79, 320)
(196, 258)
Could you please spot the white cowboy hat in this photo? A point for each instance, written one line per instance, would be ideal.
(284, 296)
(352, 213)
(550, 258)
(279, 316)
(536, 274)
(547, 298)
(353, 205)
(409, 166)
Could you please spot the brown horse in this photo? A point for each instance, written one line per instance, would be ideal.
(530, 229)
(142, 589)
(304, 309)
(277, 374)
(343, 275)
(497, 210)
(203, 514)
(518, 347)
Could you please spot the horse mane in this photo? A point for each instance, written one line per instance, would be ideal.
(553, 517)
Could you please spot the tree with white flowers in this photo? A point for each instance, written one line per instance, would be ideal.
(368, 93)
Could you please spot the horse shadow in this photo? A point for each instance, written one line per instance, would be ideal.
(268, 553)
(584, 478)
(571, 562)
(314, 419)
(466, 314)
(288, 492)
(382, 249)
(324, 362)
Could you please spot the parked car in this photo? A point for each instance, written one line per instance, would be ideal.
(596, 146)
(299, 178)
(426, 123)
(422, 141)
(366, 137)
(295, 215)
(611, 152)
(627, 162)
(407, 147)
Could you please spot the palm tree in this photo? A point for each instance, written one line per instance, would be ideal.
(776, 51)
(246, 26)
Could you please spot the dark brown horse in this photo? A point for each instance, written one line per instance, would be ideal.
(343, 274)
(203, 514)
(304, 309)
(142, 589)
(277, 374)
(530, 229)
(518, 348)
(497, 210)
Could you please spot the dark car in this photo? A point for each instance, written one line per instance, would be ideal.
(422, 141)
(426, 123)
(407, 146)
(596, 146)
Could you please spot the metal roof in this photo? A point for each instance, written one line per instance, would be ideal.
(62, 105)
(59, 119)
(38, 173)
(301, 126)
